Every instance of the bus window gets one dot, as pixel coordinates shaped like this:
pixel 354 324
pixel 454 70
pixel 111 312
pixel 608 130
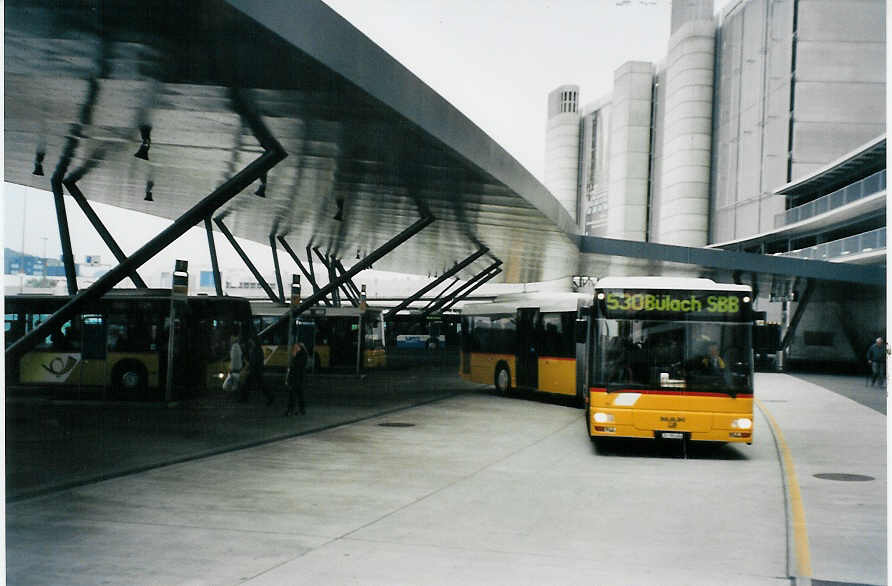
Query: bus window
pixel 695 356
pixel 556 335
pixel 93 337
pixel 13 327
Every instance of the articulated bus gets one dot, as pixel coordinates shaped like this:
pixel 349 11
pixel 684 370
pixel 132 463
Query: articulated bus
pixel 335 334
pixel 528 341
pixel 648 357
pixel 118 346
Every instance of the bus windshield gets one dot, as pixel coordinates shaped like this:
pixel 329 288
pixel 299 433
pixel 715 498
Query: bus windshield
pixel 704 357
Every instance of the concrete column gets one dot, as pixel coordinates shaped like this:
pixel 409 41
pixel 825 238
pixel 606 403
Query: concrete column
pixel 562 146
pixel 630 127
pixel 687 135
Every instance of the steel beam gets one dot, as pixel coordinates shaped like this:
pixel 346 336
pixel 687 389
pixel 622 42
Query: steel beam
pixel 64 236
pixel 440 295
pixel 312 272
pixel 459 292
pixel 418 294
pixel 308 274
pixel 339 266
pixel 212 249
pixel 238 249
pixel 273 153
pixel 365 263
pixel 797 316
pixel 464 295
pixel 333 276
pixel 272 245
pixel 77 194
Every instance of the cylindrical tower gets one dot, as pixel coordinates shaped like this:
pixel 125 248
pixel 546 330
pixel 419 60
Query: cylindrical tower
pixel 562 146
pixel 683 214
pixel 630 138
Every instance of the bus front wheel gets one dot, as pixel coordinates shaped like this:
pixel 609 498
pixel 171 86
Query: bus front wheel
pixel 503 380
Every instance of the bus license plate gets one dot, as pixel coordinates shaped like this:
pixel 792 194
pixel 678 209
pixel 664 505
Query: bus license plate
pixel 671 435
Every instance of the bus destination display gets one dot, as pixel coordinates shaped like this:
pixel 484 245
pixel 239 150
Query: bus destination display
pixel 674 305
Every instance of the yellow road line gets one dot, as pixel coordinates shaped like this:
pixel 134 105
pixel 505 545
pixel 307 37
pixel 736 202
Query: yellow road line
pixel 800 533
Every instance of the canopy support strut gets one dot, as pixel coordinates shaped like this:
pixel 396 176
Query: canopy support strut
pixel 460 293
pixel 418 294
pixel 365 263
pixel 212 249
pixel 308 274
pixel 238 249
pixel 273 153
pixel 77 194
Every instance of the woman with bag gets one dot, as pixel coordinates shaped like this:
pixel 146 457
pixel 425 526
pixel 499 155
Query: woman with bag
pixel 235 365
pixel 297 365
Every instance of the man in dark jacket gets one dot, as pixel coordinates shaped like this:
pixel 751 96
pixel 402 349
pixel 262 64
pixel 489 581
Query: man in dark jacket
pixel 254 377
pixel 297 365
pixel 876 357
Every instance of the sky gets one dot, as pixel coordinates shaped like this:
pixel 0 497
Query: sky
pixel 495 60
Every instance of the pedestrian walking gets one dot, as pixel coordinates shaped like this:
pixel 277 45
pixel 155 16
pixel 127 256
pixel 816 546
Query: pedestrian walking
pixel 297 366
pixel 876 358
pixel 253 378
pixel 236 363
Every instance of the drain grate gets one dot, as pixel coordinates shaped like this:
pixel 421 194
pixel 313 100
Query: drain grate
pixel 844 477
pixel 396 424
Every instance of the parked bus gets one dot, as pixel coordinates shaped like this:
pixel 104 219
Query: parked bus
pixel 648 357
pixel 335 336
pixel 526 341
pixel 118 346
pixel 418 331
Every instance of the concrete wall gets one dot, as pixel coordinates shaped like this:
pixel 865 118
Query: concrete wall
pixel 562 147
pixel 594 168
pixel 629 162
pixel 837 98
pixel 840 93
pixel 683 211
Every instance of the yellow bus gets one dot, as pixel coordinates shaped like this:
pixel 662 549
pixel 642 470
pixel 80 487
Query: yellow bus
pixel 670 358
pixel 335 334
pixel 530 341
pixel 648 357
pixel 119 345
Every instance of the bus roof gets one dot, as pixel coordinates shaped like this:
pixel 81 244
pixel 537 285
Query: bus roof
pixel 667 283
pixel 117 294
pixel 544 301
pixel 272 308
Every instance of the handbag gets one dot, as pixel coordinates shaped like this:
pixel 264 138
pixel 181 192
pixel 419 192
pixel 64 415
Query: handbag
pixel 231 382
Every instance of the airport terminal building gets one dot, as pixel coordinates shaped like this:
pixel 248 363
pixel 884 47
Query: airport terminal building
pixel 762 130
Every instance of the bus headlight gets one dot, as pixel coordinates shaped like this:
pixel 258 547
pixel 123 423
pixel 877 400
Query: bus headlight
pixel 603 417
pixel 742 423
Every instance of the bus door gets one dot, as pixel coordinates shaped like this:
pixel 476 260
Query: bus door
pixel 527 351
pixel 93 352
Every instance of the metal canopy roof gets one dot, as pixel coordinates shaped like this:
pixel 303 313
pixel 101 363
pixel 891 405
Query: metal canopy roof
pixel 82 77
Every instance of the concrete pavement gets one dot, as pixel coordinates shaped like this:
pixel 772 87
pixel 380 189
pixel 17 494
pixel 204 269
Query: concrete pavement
pixel 478 489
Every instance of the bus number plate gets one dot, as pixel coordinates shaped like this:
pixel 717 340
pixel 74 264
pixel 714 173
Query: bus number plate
pixel 671 435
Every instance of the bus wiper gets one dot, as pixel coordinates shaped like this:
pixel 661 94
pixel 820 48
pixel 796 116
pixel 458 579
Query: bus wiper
pixel 616 387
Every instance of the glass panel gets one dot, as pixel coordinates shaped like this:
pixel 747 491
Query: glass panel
pixel 696 357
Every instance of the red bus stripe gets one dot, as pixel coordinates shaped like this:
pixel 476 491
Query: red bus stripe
pixel 680 393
